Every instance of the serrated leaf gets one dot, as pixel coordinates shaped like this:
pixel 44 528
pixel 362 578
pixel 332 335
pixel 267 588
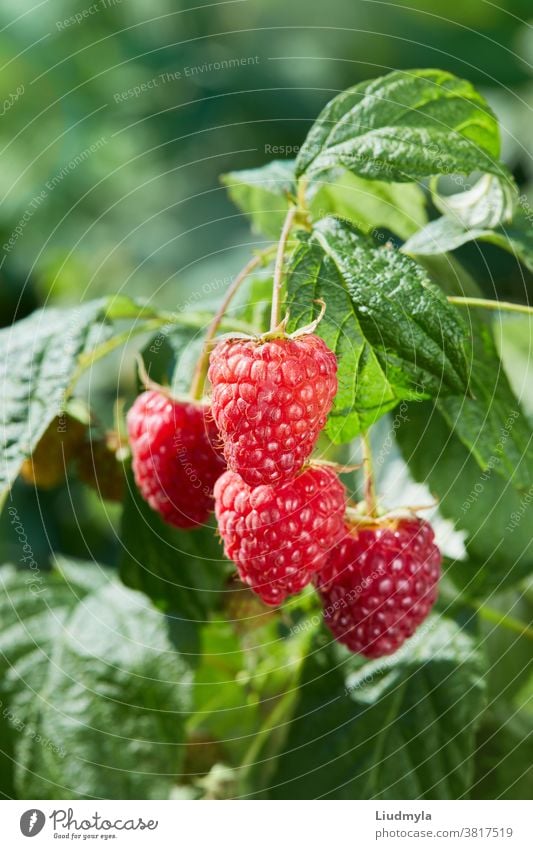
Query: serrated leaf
pixel 447 234
pixel 41 357
pixel 115 687
pixel 398 728
pixel 33 611
pixel 481 502
pixel 403 127
pixel 491 423
pixel 262 193
pixel 394 334
pixel 181 571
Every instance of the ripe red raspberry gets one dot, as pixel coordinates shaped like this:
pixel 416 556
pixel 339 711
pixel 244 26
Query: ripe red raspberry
pixel 280 536
pixel 270 402
pixel 175 457
pixel 379 584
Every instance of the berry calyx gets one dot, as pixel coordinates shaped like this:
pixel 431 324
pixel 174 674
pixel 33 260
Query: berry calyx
pixel 280 536
pixel 176 459
pixel 270 401
pixel 379 584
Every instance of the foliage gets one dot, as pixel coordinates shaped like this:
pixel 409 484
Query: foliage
pixel 151 665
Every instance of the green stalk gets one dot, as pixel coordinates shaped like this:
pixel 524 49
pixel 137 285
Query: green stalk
pixel 200 371
pixel 509 622
pixel 368 470
pixel 278 269
pixel 489 304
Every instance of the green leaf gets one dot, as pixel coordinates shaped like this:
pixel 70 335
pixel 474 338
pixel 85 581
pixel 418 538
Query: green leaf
pixel 113 704
pixel 446 234
pixel 503 759
pixel 403 127
pixel 253 301
pixel 394 334
pixel 182 571
pixel 398 728
pixel 368 204
pixel 262 194
pixel 42 356
pixel 225 698
pixel 490 202
pixel 33 610
pixel 170 356
pixel 492 424
pixel 482 502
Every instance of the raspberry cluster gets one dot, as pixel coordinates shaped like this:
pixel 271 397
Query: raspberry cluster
pixel 280 515
pixel 277 515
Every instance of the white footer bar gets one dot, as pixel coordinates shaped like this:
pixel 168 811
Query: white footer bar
pixel 266 825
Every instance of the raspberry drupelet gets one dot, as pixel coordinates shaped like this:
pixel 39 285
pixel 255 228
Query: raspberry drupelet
pixel 379 584
pixel 270 401
pixel 280 536
pixel 176 458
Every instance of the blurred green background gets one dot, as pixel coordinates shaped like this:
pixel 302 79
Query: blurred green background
pixel 117 119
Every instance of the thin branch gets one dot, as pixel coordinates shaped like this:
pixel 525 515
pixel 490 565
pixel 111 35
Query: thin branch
pixel 200 370
pixel 370 492
pixel 489 304
pixel 278 269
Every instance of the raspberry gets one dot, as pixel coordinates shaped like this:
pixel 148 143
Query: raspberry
pixel 175 458
pixel 379 584
pixel 270 402
pixel 279 536
pixel 47 466
pixel 100 468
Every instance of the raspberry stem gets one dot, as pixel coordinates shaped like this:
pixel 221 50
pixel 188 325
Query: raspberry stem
pixel 369 487
pixel 278 268
pixel 490 304
pixel 200 371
